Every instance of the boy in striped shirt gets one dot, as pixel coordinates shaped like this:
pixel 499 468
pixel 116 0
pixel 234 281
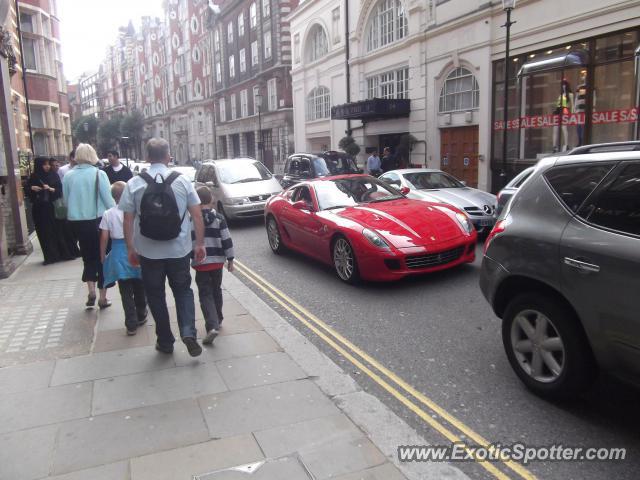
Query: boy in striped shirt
pixel 219 246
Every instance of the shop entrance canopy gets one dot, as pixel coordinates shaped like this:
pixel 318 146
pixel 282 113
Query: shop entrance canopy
pixel 573 58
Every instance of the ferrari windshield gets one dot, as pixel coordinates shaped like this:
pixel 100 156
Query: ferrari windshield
pixel 432 180
pixel 347 192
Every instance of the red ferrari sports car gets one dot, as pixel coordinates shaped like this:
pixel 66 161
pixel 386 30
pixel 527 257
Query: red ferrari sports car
pixel 367 229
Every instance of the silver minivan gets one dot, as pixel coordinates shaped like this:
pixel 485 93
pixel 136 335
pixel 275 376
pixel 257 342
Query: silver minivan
pixel 240 186
pixel 561 270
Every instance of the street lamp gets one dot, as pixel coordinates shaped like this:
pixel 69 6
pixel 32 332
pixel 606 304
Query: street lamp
pixel 258 100
pixel 507 6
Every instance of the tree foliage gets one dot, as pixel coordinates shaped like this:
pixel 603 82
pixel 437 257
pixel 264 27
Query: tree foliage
pixel 109 135
pixel 349 146
pixel 88 134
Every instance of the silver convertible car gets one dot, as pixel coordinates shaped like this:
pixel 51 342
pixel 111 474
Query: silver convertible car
pixel 437 186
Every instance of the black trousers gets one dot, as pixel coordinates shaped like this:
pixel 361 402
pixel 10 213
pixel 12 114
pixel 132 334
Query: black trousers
pixel 210 296
pixel 88 235
pixel 134 302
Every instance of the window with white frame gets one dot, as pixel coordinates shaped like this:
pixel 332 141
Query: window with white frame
pixel 392 84
pixel 232 99
pixel 318 43
pixel 318 104
pixel 253 15
pixel 37 117
pixel 256 100
pixel 30 53
pixel 272 94
pixel 388 24
pixel 26 22
pixel 216 40
pixel 230 32
pixel 266 8
pixel 254 53
pixel 267 44
pixel 222 110
pixel 244 104
pixel 232 66
pixel 460 91
pixel 218 73
pixel 241 24
pixel 242 57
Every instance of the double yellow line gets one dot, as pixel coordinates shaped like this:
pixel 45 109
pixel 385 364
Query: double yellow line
pixel 449 426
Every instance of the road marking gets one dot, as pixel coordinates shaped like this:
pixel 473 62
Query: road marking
pixel 315 324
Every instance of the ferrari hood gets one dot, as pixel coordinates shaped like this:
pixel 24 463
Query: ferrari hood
pixel 406 223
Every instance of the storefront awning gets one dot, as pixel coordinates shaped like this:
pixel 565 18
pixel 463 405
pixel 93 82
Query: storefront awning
pixel 573 58
pixel 374 109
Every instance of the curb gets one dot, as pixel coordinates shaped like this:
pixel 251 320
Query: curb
pixel 383 427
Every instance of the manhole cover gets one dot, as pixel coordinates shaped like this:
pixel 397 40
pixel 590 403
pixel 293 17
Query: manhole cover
pixel 290 467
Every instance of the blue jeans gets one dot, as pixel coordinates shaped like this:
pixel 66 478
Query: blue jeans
pixel 154 274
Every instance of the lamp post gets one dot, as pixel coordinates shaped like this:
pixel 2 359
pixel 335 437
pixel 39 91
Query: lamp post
pixel 507 6
pixel 258 100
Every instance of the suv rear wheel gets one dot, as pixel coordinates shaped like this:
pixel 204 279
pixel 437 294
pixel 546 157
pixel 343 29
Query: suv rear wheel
pixel 546 346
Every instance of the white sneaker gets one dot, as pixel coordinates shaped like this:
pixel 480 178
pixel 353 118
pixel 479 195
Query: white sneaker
pixel 210 337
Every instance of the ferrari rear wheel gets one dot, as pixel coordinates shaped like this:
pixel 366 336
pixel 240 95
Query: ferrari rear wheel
pixel 273 234
pixel 344 261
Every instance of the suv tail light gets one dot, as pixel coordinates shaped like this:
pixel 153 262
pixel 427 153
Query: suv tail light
pixel 498 228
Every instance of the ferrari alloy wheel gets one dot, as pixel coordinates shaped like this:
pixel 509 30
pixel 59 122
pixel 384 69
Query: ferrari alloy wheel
pixel 273 234
pixel 344 261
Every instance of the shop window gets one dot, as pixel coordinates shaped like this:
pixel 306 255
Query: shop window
pixel 460 92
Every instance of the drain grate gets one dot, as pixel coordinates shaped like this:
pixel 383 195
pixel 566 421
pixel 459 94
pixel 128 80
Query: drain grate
pixel 289 467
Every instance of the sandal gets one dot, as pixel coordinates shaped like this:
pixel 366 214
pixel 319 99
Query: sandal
pixel 103 305
pixel 91 300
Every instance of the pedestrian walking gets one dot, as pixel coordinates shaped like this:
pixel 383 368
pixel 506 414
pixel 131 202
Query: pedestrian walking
pixel 70 241
pixel 219 248
pixel 63 170
pixel 116 266
pixel 157 231
pixel 43 190
pixel 373 164
pixel 116 170
pixel 87 195
pixel 389 160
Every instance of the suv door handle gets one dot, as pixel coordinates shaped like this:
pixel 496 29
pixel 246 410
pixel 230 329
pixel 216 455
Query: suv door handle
pixel 582 266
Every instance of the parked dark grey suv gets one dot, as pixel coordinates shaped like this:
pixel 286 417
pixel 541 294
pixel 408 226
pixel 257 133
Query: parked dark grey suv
pixel 562 270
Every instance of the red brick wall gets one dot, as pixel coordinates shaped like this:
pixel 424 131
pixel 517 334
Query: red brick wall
pixel 41 88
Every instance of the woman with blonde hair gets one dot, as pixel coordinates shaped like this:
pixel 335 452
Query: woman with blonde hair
pixel 87 194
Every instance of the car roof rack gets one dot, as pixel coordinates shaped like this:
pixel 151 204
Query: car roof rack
pixel 607 147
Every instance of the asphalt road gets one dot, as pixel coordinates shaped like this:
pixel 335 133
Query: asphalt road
pixel 438 333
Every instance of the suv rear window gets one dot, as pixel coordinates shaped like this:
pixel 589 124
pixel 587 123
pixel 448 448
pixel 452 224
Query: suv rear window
pixel 574 183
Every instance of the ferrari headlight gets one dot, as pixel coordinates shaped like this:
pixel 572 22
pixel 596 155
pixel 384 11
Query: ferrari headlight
pixel 464 223
pixel 236 201
pixel 375 239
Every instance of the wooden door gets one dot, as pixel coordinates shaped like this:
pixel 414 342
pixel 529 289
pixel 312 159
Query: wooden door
pixel 459 153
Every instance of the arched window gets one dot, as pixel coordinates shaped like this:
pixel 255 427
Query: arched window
pixel 459 92
pixel 318 104
pixel 318 43
pixel 388 24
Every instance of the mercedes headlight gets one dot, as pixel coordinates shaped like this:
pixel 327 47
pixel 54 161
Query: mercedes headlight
pixel 236 201
pixel 464 223
pixel 375 239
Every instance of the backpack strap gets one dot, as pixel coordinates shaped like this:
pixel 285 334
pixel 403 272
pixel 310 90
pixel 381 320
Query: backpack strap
pixel 172 176
pixel 147 178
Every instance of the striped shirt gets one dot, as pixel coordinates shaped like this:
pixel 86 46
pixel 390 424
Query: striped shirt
pixel 217 239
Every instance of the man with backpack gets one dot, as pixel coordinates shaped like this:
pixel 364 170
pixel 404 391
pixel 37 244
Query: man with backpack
pixel 157 231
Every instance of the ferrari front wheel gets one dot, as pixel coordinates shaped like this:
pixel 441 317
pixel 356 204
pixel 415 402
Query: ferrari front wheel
pixel 344 261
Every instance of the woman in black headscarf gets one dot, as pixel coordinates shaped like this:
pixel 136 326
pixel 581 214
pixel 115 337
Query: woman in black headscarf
pixel 44 188
pixel 70 241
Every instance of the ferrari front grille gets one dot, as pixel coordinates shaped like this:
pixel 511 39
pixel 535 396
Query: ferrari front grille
pixel 434 259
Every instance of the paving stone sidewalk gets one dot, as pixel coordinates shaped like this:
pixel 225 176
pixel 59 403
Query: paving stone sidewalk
pixel 261 403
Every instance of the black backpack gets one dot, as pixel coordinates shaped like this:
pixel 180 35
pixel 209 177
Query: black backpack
pixel 159 215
